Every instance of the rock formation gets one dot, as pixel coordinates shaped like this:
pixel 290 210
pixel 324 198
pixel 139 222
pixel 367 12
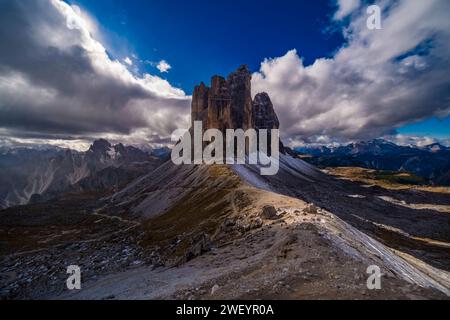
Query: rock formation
pixel 228 104
pixel 263 114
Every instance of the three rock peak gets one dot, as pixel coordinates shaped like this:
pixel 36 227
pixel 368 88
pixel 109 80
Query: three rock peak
pixel 228 104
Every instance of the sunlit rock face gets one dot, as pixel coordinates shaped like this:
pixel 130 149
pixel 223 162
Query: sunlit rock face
pixel 228 104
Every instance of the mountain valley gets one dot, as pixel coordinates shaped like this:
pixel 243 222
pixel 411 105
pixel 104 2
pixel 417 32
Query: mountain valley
pixel 141 227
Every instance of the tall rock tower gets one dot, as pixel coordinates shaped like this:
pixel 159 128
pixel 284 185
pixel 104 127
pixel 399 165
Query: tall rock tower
pixel 228 104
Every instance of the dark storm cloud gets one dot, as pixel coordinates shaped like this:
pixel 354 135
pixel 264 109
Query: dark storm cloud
pixel 55 79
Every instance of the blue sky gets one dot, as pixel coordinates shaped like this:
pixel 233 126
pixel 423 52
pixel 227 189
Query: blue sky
pixel 93 69
pixel 434 127
pixel 202 38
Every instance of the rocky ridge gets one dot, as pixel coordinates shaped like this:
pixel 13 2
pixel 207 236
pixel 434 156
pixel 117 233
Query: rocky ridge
pixel 39 175
pixel 225 232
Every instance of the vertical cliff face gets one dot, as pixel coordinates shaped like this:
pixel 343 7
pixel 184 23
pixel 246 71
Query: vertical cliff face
pixel 228 104
pixel 263 114
pixel 199 109
pixel 239 83
pixel 219 105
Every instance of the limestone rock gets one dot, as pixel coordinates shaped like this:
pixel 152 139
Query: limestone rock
pixel 214 289
pixel 311 209
pixel 269 212
pixel 264 116
pixel 239 83
pixel 199 110
pixel 219 105
pixel 228 104
pixel 199 245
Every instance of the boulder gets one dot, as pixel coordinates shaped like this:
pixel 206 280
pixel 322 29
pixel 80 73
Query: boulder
pixel 269 212
pixel 311 209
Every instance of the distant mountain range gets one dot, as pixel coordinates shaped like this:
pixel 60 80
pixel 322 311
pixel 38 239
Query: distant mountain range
pixel 431 162
pixel 37 174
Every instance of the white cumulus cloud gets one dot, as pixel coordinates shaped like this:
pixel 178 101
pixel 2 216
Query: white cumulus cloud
pixel 163 66
pixel 378 81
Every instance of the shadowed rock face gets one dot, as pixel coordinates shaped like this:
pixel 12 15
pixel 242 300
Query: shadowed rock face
pixel 228 104
pixel 241 100
pixel 263 114
pixel 199 109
